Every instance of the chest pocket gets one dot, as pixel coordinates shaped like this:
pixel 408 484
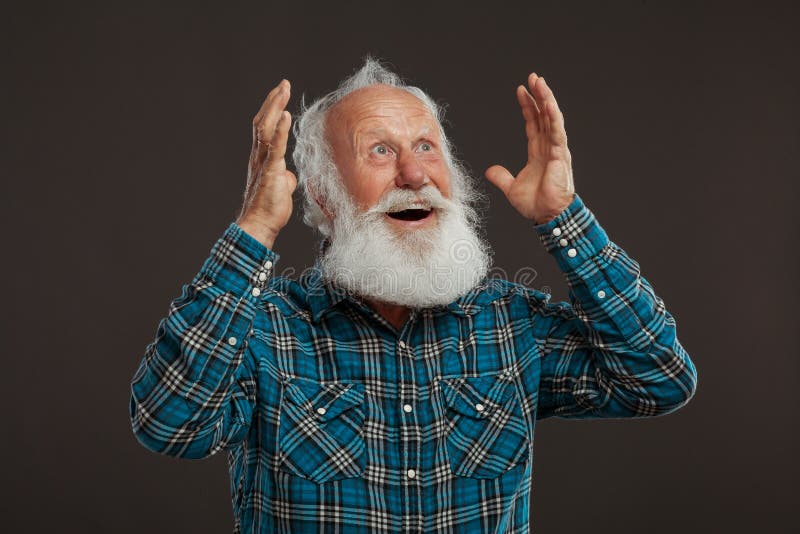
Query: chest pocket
pixel 320 435
pixel 486 431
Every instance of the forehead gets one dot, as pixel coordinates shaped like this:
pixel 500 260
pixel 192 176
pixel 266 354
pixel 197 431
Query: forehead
pixel 379 105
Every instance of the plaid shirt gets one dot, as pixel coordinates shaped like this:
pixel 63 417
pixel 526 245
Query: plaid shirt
pixel 335 421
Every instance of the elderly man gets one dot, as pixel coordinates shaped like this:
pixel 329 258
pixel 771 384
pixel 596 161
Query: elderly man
pixel 396 388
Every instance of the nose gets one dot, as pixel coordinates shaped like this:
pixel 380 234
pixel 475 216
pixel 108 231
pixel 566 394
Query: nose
pixel 410 173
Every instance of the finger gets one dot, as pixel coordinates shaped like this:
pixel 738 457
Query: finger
pixel 279 141
pixel 553 117
pixel 269 98
pixel 500 177
pixel 257 120
pixel 265 129
pixel 529 110
pixel 272 113
pixel 540 90
pixel 532 78
pixel 558 134
pixel 543 94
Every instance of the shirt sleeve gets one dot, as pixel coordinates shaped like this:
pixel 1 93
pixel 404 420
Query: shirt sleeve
pixel 194 391
pixel 613 350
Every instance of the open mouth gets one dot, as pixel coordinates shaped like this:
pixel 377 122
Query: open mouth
pixel 415 214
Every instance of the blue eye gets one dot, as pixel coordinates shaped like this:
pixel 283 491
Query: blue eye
pixel 380 150
pixel 425 147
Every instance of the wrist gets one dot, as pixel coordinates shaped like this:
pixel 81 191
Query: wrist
pixel 551 214
pixel 263 232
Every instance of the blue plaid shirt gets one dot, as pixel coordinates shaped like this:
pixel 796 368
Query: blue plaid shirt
pixel 333 420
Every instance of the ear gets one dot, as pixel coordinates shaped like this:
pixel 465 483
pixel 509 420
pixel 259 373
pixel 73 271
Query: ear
pixel 319 202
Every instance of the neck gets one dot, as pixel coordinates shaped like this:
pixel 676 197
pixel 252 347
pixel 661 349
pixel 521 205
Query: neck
pixel 396 314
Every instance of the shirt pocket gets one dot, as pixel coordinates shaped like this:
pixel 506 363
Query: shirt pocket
pixel 486 430
pixel 321 430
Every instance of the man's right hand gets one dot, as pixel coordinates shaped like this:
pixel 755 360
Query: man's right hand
pixel 268 194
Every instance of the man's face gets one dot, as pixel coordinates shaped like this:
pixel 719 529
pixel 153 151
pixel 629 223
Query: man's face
pixel 384 138
pixel 399 236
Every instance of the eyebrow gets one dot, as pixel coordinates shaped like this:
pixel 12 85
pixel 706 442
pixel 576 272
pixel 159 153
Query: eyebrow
pixel 383 131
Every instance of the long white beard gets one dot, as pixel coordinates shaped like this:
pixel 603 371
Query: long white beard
pixel 416 268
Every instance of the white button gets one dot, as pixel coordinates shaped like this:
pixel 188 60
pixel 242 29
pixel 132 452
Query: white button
pixel 256 292
pixel 262 276
pixel 407 407
pixel 411 473
pixel 479 407
pixel 601 294
pixel 556 231
pixel 231 340
pixel 321 411
pixel 562 242
pixel 267 264
pixel 572 253
pixel 402 344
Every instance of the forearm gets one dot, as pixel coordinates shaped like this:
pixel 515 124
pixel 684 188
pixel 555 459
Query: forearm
pixel 193 391
pixel 618 349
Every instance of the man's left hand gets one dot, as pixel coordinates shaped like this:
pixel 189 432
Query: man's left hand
pixel 544 187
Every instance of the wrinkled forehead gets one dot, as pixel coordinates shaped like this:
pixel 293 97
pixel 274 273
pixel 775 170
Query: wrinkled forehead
pixel 376 104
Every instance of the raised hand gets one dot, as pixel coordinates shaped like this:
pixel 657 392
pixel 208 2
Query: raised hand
pixel 544 187
pixel 267 202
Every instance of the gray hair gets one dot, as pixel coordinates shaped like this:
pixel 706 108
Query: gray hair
pixel 313 155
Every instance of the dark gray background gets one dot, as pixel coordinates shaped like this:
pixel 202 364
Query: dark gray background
pixel 126 132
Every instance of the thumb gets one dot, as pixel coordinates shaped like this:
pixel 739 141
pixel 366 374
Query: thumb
pixel 291 180
pixel 500 177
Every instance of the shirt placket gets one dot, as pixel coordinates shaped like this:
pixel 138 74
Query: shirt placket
pixel 410 433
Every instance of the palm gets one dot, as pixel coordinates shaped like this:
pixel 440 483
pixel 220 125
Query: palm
pixel 544 187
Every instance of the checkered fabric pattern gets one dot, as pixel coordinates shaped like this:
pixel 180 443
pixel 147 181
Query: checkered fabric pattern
pixel 335 421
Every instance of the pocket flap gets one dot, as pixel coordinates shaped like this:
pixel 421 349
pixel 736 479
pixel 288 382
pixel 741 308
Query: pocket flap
pixel 477 396
pixel 324 401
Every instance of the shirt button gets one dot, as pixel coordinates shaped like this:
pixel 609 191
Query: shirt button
pixel 479 407
pixel 256 292
pixel 601 294
pixel 402 344
pixel 556 231
pixel 407 407
pixel 267 264
pixel 262 276
pixel 572 253
pixel 411 473
pixel 321 411
pixel 231 340
pixel 562 242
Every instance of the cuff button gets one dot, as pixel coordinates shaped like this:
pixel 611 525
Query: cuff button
pixel 572 253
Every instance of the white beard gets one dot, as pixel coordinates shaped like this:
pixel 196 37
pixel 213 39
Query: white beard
pixel 416 268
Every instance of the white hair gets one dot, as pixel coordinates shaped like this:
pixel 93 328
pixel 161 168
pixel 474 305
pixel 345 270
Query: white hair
pixel 313 159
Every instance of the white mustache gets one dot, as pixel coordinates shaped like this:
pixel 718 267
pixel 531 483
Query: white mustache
pixel 427 197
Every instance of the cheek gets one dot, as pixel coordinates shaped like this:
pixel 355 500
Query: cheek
pixel 440 174
pixel 368 184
